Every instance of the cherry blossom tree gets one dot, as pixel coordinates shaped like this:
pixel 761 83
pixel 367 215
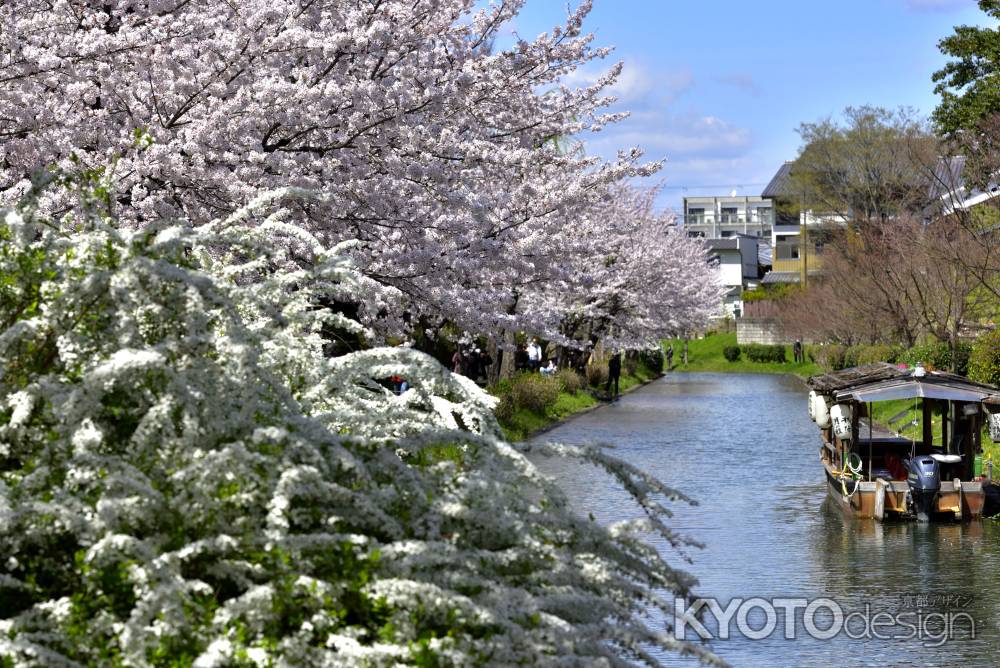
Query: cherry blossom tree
pixel 435 153
pixel 438 153
pixel 642 280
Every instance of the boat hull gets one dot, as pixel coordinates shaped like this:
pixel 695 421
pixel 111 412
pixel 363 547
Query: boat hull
pixel 886 500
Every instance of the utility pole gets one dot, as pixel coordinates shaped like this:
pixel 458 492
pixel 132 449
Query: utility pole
pixel 804 241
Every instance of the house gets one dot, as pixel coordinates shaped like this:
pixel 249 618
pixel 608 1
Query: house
pixel 798 235
pixel 950 192
pixel 737 232
pixel 737 260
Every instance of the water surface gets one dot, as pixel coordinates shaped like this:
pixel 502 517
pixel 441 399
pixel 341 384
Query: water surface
pixel 744 447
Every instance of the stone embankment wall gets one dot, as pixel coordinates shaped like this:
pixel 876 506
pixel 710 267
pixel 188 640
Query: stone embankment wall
pixel 759 330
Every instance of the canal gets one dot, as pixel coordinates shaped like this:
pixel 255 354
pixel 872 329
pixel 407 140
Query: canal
pixel 744 447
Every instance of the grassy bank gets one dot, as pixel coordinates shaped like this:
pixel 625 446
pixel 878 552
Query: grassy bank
pixel 523 414
pixel 905 414
pixel 524 422
pixel 706 355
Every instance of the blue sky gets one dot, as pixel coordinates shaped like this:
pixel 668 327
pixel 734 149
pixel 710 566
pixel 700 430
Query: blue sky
pixel 718 87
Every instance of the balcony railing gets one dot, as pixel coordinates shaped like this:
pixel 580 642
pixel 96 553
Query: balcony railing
pixel 754 221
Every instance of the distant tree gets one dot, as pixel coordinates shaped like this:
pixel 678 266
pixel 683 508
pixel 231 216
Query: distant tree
pixel 857 298
pixel 894 283
pixel 642 282
pixel 967 188
pixel 869 167
pixel 969 85
pixel 946 296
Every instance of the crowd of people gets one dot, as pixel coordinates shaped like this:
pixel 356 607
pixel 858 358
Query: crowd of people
pixel 475 362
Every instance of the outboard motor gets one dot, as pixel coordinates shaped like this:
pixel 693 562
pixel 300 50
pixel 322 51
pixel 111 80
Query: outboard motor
pixel 924 479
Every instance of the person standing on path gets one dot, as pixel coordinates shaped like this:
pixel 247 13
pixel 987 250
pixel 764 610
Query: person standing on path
pixel 521 358
pixel 670 357
pixel 534 355
pixel 797 351
pixel 614 374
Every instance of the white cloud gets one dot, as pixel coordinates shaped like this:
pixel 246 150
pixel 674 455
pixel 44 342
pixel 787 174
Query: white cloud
pixel 698 148
pixel 637 83
pixel 633 83
pixel 674 136
pixel 673 84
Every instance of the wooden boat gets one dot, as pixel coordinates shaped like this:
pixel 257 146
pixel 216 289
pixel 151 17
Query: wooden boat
pixel 874 472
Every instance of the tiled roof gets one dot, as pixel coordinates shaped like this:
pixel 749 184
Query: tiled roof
pixel 780 184
pixel 773 277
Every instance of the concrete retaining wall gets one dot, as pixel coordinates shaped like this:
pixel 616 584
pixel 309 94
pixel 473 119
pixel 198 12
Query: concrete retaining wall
pixel 759 330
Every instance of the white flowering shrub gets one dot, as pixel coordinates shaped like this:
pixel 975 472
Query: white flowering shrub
pixel 185 479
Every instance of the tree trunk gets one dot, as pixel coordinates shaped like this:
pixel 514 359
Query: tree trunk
pixel 499 356
pixel 504 359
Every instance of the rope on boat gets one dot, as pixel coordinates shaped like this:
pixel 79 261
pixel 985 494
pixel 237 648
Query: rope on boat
pixel 854 471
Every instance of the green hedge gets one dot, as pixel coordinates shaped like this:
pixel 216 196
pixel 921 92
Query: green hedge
pixel 757 352
pixel 770 293
pixel 984 361
pixel 597 374
pixel 570 380
pixel 830 356
pixel 937 355
pixel 731 353
pixel 532 391
pixel 871 354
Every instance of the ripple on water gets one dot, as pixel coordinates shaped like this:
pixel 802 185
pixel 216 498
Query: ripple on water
pixel 744 447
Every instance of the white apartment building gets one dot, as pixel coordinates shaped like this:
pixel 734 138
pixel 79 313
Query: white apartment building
pixel 725 217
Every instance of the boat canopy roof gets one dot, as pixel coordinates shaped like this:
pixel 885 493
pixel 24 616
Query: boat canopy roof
pixel 885 382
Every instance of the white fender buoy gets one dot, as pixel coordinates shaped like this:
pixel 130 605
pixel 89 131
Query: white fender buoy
pixel 812 405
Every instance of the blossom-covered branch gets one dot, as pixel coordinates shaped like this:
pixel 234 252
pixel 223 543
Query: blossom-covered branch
pixel 437 152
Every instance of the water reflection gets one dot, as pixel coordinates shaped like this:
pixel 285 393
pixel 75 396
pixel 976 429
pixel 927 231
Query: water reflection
pixel 744 447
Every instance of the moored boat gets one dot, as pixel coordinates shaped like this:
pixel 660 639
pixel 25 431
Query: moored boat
pixel 874 472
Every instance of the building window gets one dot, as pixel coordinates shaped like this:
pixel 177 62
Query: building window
pixel 786 251
pixel 696 216
pixel 730 214
pixel 762 216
